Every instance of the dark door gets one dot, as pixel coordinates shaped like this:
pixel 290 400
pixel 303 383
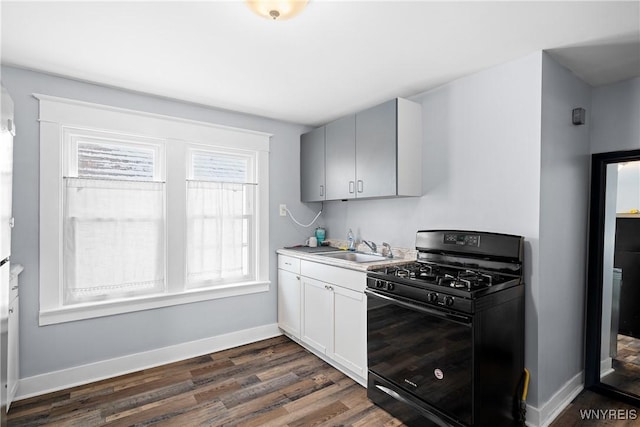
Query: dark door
pixel 627 258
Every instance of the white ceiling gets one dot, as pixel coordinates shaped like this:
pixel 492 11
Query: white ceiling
pixel 335 58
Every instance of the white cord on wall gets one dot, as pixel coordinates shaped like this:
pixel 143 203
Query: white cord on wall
pixel 303 225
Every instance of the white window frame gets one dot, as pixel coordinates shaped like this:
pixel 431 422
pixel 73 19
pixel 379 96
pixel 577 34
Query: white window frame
pixel 250 155
pixel 60 115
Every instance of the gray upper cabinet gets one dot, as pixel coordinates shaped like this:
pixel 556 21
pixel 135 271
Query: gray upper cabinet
pixel 341 158
pixel 312 161
pixel 374 153
pixel 389 150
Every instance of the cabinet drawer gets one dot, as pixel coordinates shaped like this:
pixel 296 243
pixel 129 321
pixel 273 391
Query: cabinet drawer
pixel 350 279
pixel 289 263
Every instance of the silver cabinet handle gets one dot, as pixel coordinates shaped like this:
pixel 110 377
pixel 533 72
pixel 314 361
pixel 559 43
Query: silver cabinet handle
pixel 14 288
pixel 360 186
pixel 351 187
pixel 298 277
pixel 11 311
pixel 322 190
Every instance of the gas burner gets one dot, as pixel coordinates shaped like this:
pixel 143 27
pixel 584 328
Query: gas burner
pixel 454 282
pixel 476 278
pixel 402 273
pixel 426 273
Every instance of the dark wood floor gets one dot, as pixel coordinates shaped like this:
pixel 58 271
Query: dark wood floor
pixel 269 383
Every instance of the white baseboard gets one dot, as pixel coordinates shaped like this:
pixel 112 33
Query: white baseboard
pixel 542 417
pixel 606 367
pixel 79 375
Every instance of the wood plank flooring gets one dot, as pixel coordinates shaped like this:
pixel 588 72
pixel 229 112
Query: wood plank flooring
pixel 269 383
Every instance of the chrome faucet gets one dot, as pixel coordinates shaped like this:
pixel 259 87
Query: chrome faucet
pixel 389 253
pixel 372 246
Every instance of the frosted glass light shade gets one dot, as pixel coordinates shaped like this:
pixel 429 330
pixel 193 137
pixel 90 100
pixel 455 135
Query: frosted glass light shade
pixel 277 9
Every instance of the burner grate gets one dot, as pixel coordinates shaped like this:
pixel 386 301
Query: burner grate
pixel 443 275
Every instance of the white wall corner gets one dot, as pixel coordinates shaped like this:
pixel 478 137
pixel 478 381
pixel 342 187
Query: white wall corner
pixel 542 417
pixel 78 375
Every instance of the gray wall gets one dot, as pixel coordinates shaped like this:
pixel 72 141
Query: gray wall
pixel 616 117
pixel 564 197
pixel 55 347
pixel 481 171
pixel 628 187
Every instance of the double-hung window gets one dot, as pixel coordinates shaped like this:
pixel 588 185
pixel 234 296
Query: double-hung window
pixel 221 219
pixel 113 217
pixel 139 211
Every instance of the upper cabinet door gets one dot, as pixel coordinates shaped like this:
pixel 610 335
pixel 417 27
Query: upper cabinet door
pixel 312 166
pixel 376 151
pixel 341 158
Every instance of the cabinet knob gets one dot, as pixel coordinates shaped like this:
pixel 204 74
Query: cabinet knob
pixel 298 277
pixel 14 288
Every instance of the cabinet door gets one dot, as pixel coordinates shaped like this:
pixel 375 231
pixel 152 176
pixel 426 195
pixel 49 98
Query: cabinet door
pixel 312 160
pixel 376 151
pixel 340 143
pixel 317 314
pixel 350 329
pixel 289 302
pixel 13 367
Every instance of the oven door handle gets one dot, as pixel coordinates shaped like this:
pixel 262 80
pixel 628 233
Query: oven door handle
pixel 457 318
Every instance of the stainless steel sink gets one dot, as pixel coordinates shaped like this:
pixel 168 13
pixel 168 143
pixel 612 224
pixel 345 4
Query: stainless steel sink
pixel 354 256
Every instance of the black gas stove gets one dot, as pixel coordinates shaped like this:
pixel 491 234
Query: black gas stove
pixel 445 333
pixel 454 274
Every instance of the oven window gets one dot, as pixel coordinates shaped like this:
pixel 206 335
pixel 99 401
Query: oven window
pixel 426 354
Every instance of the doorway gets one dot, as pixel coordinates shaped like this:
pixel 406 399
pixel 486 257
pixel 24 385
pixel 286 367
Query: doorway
pixel 612 359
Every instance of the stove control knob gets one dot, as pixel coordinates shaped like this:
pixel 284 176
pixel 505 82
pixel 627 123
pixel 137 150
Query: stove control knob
pixel 448 301
pixel 390 286
pixel 432 297
pixel 379 284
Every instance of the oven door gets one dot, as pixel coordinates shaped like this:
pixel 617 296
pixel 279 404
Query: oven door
pixel 422 350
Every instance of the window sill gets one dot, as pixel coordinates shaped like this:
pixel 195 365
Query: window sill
pixel 109 308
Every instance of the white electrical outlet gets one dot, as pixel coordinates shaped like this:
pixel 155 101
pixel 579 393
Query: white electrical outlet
pixel 283 210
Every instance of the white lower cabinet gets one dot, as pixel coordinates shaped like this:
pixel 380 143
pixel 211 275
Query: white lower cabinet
pixel 289 294
pixel 289 302
pixel 317 317
pixel 350 329
pixel 324 307
pixel 13 345
pixel 334 317
pixel 13 332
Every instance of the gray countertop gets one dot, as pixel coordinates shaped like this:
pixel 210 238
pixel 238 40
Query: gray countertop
pixel 315 256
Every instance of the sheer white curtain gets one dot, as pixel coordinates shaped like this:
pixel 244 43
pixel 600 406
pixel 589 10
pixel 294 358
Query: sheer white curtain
pixel 219 227
pixel 114 242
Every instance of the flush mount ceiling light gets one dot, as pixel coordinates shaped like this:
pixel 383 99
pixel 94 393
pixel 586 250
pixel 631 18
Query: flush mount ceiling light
pixel 277 9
